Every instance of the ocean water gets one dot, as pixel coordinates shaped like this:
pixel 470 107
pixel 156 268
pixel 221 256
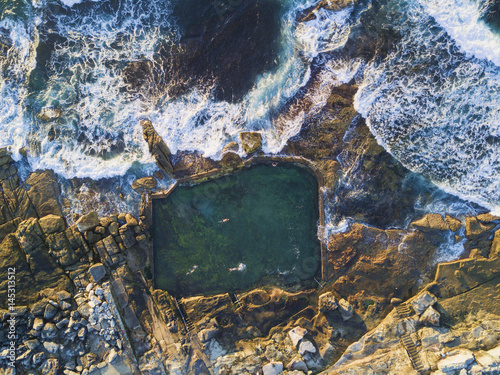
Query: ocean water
pixel 428 73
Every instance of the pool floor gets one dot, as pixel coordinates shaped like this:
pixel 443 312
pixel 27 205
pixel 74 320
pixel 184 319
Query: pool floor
pixel 228 234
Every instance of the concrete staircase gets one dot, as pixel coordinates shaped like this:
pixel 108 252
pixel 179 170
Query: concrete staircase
pixel 404 311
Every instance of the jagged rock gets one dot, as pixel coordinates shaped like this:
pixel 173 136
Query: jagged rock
pixel 49 331
pixel 38 308
pixel 430 317
pixel 105 222
pixel 89 359
pixel 305 347
pixel 144 184
pixel 97 271
pixel 430 223
pixel 52 224
pixel 456 361
pixel 425 300
pixel 63 295
pixel 345 309
pixel 111 246
pixel 251 141
pixel 208 334
pixel 334 5
pixel 87 222
pixel 296 335
pixel 453 223
pixel 50 366
pixel 51 347
pixel 38 324
pixel 49 113
pixel 327 302
pixel 272 368
pixel 157 147
pixel 495 246
pixel 50 311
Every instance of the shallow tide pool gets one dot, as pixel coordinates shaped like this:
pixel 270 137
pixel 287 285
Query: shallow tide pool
pixel 229 233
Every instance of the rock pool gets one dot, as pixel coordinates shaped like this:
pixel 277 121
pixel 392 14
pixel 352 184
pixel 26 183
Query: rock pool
pixel 229 233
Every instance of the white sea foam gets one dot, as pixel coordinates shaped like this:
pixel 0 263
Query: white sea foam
pixel 14 70
pixel 436 110
pixel 462 21
pixel 99 134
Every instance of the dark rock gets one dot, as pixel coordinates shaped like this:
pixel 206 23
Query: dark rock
pixel 50 311
pixel 127 236
pixel 157 147
pixel 38 308
pixel 49 331
pixel 334 5
pixel 97 271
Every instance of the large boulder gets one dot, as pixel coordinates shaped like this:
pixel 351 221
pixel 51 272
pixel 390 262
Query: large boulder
pixel 423 301
pixel 430 317
pixel 456 361
pixel 157 147
pixel 89 221
pixel 52 224
pixel 97 271
pixel 296 335
pixel 345 309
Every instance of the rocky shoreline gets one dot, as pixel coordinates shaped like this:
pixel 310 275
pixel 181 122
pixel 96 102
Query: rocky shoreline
pixel 86 304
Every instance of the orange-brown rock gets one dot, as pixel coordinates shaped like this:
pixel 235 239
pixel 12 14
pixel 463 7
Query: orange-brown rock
pixel 384 263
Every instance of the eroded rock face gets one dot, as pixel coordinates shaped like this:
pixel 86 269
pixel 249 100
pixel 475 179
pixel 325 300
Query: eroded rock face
pixel 381 263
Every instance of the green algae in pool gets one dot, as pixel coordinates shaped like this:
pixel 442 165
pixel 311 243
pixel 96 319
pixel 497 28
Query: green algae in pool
pixel 228 234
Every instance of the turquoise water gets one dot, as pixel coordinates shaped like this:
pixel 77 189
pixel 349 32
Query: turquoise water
pixel 262 220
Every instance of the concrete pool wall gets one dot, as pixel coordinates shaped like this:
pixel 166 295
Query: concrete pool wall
pixel 216 173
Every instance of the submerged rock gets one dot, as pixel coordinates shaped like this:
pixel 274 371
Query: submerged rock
pixel 144 184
